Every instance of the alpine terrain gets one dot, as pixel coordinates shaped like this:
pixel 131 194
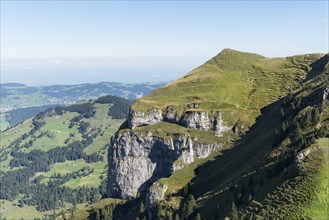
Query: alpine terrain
pixel 242 136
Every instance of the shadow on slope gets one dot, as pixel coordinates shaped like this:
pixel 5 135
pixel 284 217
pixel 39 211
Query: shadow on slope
pixel 318 67
pixel 250 154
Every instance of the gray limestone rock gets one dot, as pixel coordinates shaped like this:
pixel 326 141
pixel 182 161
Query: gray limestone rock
pixel 138 118
pixel 138 160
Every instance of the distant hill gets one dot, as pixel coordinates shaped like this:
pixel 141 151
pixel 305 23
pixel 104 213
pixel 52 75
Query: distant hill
pixel 12 85
pixel 17 96
pixel 16 116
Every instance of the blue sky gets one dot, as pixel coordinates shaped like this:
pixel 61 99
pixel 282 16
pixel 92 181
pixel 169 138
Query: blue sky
pixel 46 42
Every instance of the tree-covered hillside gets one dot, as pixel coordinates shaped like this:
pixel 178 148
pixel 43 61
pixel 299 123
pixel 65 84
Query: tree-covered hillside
pixel 58 159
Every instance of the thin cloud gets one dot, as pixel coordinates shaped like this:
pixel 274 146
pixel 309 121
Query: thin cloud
pixel 300 21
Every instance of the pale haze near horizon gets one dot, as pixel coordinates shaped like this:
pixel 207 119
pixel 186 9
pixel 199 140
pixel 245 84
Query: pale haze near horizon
pixel 74 42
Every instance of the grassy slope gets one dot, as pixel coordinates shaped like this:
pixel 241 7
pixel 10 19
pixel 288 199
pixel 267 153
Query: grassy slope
pixel 304 196
pixel 166 130
pixel 83 212
pixel 58 128
pixel 14 133
pixel 213 87
pixel 235 83
pixel 9 136
pixel 11 211
pixel 318 208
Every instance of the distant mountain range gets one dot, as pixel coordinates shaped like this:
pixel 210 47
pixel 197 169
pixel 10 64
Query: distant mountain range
pixel 17 96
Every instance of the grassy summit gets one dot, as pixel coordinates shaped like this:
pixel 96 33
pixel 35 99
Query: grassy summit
pixel 235 83
pixel 283 105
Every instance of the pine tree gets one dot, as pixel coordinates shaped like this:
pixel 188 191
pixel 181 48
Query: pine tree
pixel 73 216
pixel 198 217
pixel 185 190
pixel 159 211
pixel 98 216
pixel 283 127
pixel 189 206
pixel 110 211
pixel 315 116
pixel 249 197
pixel 298 132
pixel 141 208
pixel 282 114
pixel 169 215
pixel 234 212
pixel 21 203
pixel 298 102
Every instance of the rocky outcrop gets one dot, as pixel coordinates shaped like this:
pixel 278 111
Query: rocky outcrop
pixel 302 155
pixel 197 120
pixel 139 118
pixel 200 120
pixel 325 94
pixel 137 160
pixel 155 193
pixel 171 115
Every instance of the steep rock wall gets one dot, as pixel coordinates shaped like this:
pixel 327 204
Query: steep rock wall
pixel 137 160
pixel 200 120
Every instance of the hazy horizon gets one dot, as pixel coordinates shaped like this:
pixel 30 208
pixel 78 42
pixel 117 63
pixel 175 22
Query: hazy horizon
pixel 73 42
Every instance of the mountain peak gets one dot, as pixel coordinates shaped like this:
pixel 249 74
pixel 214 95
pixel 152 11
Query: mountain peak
pixel 236 54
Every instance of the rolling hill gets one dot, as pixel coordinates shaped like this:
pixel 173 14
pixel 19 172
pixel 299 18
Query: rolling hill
pixel 58 159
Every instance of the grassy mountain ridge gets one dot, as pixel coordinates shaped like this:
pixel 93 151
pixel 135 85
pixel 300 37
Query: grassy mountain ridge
pixel 281 105
pixel 259 175
pixel 235 83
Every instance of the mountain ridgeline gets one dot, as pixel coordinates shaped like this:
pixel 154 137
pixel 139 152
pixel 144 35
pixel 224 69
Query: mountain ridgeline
pixel 241 136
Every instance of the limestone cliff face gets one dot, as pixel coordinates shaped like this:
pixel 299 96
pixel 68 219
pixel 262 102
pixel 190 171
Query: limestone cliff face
pixel 137 160
pixel 200 120
pixel 139 118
